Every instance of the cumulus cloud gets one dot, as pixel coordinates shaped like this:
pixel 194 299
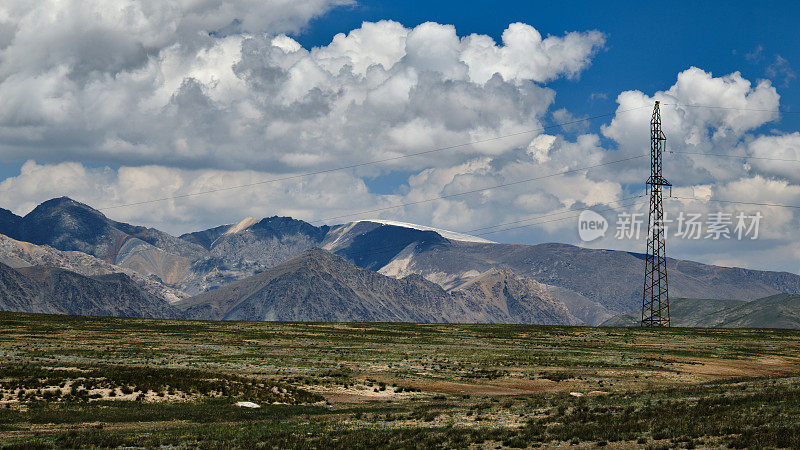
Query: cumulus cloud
pixel 737 107
pixel 121 101
pixel 105 188
pixel 528 158
pixel 212 85
pixel 525 55
pixel 781 151
pixel 169 98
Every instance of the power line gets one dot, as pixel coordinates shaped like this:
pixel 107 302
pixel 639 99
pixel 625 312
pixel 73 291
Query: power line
pixel 780 205
pixel 543 216
pixel 731 108
pixel 723 155
pixel 737 202
pixel 297 176
pixel 537 220
pixel 368 163
pixel 398 247
pixel 565 172
pixel 563 218
pixel 472 191
pixel 401 246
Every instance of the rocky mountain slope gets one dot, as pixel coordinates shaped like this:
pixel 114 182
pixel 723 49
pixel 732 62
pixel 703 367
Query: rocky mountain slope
pixel 65 224
pixel 8 222
pixel 320 286
pixel 594 284
pixel 499 296
pixel 248 247
pixel 775 311
pixel 18 254
pixel 56 291
pixel 611 279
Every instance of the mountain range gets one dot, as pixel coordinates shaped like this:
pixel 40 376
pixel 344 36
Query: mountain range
pixel 255 270
pixel 18 254
pixel 67 225
pixel 320 286
pixel 51 290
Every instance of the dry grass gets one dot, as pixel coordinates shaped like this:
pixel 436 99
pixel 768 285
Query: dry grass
pixel 393 385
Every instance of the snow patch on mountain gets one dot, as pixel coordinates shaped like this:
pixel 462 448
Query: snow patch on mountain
pixel 337 235
pixel 240 226
pixel 452 235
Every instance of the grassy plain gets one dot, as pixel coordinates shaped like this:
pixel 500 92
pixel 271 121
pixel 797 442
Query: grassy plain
pixel 74 381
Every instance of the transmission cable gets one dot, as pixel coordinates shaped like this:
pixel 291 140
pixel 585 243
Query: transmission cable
pixel 736 202
pixel 546 215
pixel 472 191
pixel 723 155
pixel 394 248
pixel 368 163
pixel 565 218
pixel 731 108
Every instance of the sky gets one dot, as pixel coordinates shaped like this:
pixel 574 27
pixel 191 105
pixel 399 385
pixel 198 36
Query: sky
pixel 120 102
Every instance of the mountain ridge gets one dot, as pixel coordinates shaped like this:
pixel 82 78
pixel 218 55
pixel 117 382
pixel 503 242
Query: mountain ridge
pixel 594 284
pixel 19 254
pixel 320 286
pixel 68 225
pixel 50 290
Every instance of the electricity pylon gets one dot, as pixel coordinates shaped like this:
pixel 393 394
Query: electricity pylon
pixel 655 301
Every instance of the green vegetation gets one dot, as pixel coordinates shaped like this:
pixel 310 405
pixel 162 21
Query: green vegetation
pixel 105 382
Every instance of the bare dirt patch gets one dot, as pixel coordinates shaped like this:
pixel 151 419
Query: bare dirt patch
pixel 738 368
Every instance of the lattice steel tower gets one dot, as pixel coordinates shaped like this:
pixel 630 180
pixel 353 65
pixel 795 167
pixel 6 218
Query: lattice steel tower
pixel 655 301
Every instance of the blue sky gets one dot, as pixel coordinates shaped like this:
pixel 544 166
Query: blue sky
pixel 647 44
pixel 112 102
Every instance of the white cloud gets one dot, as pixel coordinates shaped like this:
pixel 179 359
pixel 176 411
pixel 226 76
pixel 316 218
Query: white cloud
pixel 780 147
pixel 185 96
pixel 524 55
pixel 203 84
pixel 194 99
pixel 381 43
pixel 739 108
pixel 438 120
pixel 309 198
pixel 697 127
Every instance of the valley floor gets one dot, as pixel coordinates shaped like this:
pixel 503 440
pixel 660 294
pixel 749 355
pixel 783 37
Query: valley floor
pixel 68 381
